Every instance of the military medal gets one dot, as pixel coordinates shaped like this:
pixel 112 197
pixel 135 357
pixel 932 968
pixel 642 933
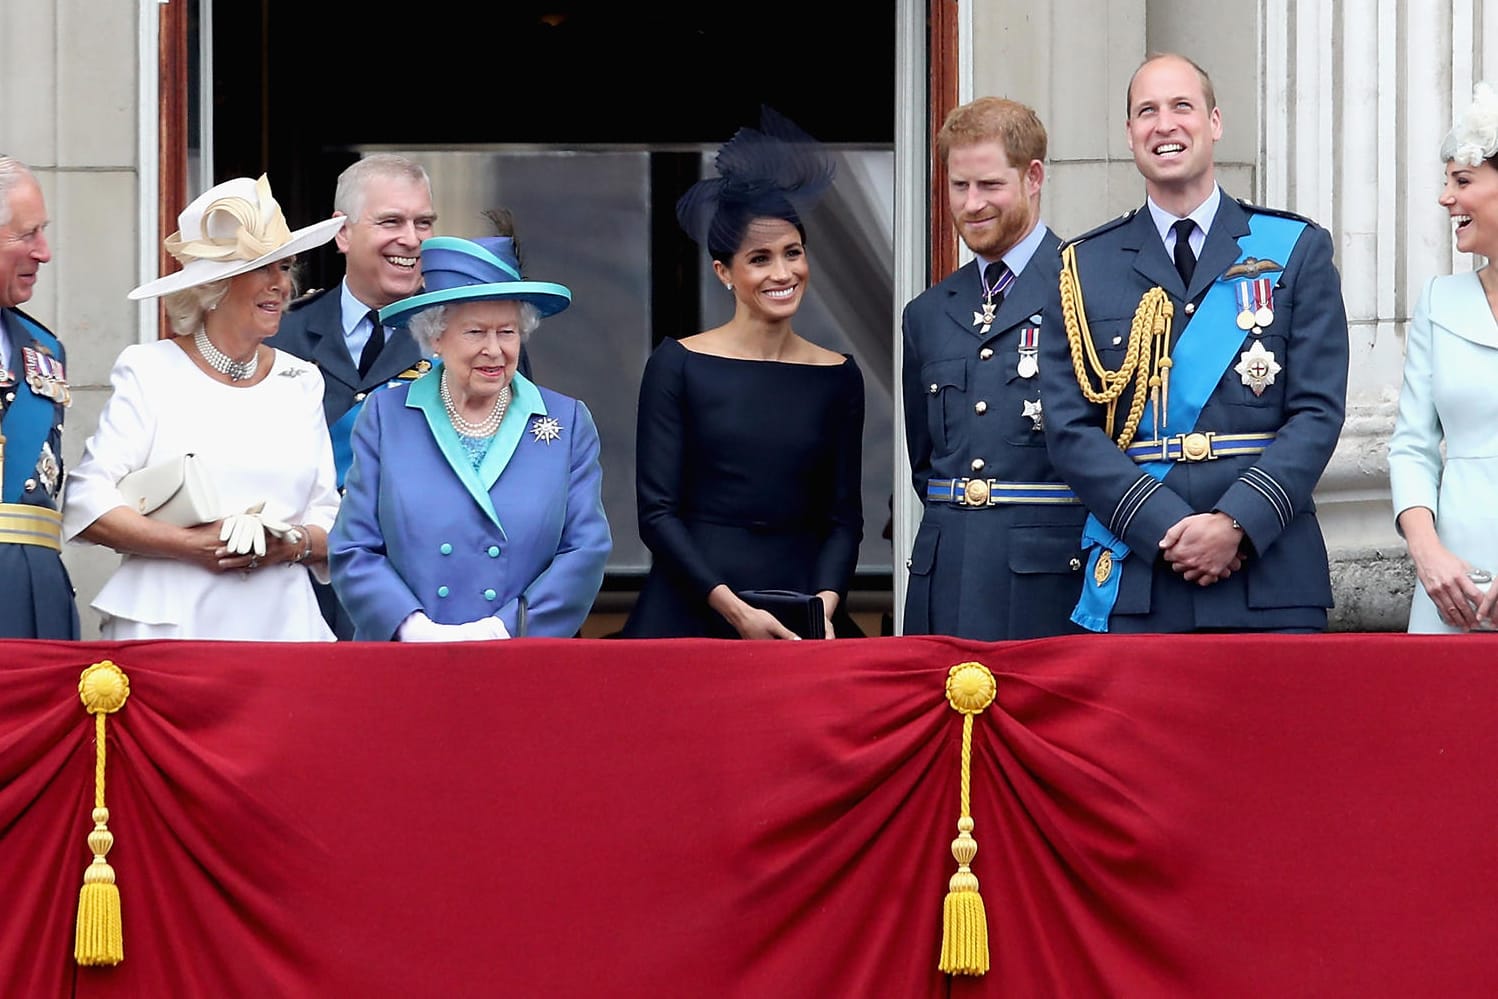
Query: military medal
pixel 1257 367
pixel 1245 305
pixel 984 319
pixel 992 296
pixel 45 375
pixel 545 429
pixel 1029 350
pixel 1104 567
pixel 1264 298
pixel 1034 412
pixel 47 469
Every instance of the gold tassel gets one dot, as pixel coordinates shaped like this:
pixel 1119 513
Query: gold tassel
pixel 103 688
pixel 964 924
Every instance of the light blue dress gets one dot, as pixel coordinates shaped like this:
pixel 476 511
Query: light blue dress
pixel 1450 370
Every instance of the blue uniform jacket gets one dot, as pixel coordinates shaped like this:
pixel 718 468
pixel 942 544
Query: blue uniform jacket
pixel 38 599
pixel 312 329
pixel 420 529
pixel 1285 581
pixel 993 572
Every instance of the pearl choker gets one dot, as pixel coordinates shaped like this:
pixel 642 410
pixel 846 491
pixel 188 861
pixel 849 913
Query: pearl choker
pixel 490 424
pixel 237 371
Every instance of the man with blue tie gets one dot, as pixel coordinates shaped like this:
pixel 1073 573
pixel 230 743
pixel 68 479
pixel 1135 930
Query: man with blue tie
pixel 997 554
pixel 1199 388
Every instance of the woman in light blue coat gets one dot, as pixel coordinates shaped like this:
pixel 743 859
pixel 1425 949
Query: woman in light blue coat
pixel 1443 455
pixel 473 507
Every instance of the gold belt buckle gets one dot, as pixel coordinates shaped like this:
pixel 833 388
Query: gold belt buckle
pixel 1197 447
pixel 975 492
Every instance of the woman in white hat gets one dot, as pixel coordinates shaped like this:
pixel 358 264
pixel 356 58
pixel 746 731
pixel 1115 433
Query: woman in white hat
pixel 473 507
pixel 1443 456
pixel 228 557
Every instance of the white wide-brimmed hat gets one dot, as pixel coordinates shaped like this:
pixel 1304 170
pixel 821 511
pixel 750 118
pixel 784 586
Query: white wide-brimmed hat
pixel 232 228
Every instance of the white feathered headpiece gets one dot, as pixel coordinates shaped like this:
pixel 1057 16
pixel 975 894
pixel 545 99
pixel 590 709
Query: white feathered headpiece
pixel 1475 137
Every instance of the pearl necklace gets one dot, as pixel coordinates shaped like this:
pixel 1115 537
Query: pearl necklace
pixel 488 427
pixel 237 371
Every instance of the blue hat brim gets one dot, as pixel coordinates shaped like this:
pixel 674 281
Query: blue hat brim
pixel 548 298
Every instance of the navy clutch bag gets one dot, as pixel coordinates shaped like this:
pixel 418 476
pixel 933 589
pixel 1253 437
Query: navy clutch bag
pixel 800 612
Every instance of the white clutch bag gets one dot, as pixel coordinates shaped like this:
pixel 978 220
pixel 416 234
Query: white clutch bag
pixel 176 491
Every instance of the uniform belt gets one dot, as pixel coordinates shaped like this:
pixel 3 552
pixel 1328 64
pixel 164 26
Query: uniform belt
pixel 25 524
pixel 1199 446
pixel 991 492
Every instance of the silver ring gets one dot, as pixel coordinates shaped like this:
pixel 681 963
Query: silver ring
pixel 254 563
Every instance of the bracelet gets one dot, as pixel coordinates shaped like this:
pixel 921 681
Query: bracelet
pixel 306 544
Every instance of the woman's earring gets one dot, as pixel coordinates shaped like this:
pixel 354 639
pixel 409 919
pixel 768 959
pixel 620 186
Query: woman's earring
pixel 728 286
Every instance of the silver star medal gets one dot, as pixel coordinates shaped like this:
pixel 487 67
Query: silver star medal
pixel 1033 411
pixel 546 429
pixel 47 469
pixel 1257 367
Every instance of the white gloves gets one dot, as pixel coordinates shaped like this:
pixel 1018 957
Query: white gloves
pixel 244 533
pixel 420 628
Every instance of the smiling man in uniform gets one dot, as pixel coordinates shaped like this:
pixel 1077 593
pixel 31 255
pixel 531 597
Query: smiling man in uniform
pixel 1199 389
pixel 997 555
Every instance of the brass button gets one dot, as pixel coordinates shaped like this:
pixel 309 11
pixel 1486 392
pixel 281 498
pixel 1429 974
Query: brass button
pixel 980 407
pixel 1190 308
pixel 977 464
pixel 1075 563
pixel 985 353
pixel 28 485
pixel 932 389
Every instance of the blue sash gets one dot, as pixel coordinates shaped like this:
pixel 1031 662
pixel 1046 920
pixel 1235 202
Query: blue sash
pixel 28 420
pixel 1200 356
pixel 342 431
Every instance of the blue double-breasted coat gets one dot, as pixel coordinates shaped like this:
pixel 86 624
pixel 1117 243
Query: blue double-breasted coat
pixel 421 529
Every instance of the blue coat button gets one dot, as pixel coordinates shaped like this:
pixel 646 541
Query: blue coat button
pixel 445 548
pixel 490 594
pixel 442 591
pixel 494 551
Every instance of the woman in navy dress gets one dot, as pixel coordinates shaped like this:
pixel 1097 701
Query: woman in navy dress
pixel 749 465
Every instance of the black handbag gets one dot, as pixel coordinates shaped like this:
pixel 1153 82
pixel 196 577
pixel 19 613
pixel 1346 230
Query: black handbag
pixel 802 613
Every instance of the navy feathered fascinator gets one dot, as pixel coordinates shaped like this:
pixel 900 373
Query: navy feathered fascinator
pixel 775 171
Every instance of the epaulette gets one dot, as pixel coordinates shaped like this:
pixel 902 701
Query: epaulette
pixel 1105 227
pixel 1248 206
pixel 307 298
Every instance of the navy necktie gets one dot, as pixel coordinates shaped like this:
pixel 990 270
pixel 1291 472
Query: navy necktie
pixel 996 281
pixel 374 346
pixel 1185 259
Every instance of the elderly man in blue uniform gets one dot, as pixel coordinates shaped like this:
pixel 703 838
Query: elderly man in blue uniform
pixel 1199 390
pixel 997 555
pixel 38 595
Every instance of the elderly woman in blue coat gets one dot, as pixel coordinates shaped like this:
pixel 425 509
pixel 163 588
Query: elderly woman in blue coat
pixel 473 506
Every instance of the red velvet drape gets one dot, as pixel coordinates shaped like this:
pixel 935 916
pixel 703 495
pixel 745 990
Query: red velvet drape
pixel 1171 816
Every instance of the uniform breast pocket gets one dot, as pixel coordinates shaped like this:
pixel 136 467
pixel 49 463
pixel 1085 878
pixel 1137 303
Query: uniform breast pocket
pixel 946 388
pixel 1019 411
